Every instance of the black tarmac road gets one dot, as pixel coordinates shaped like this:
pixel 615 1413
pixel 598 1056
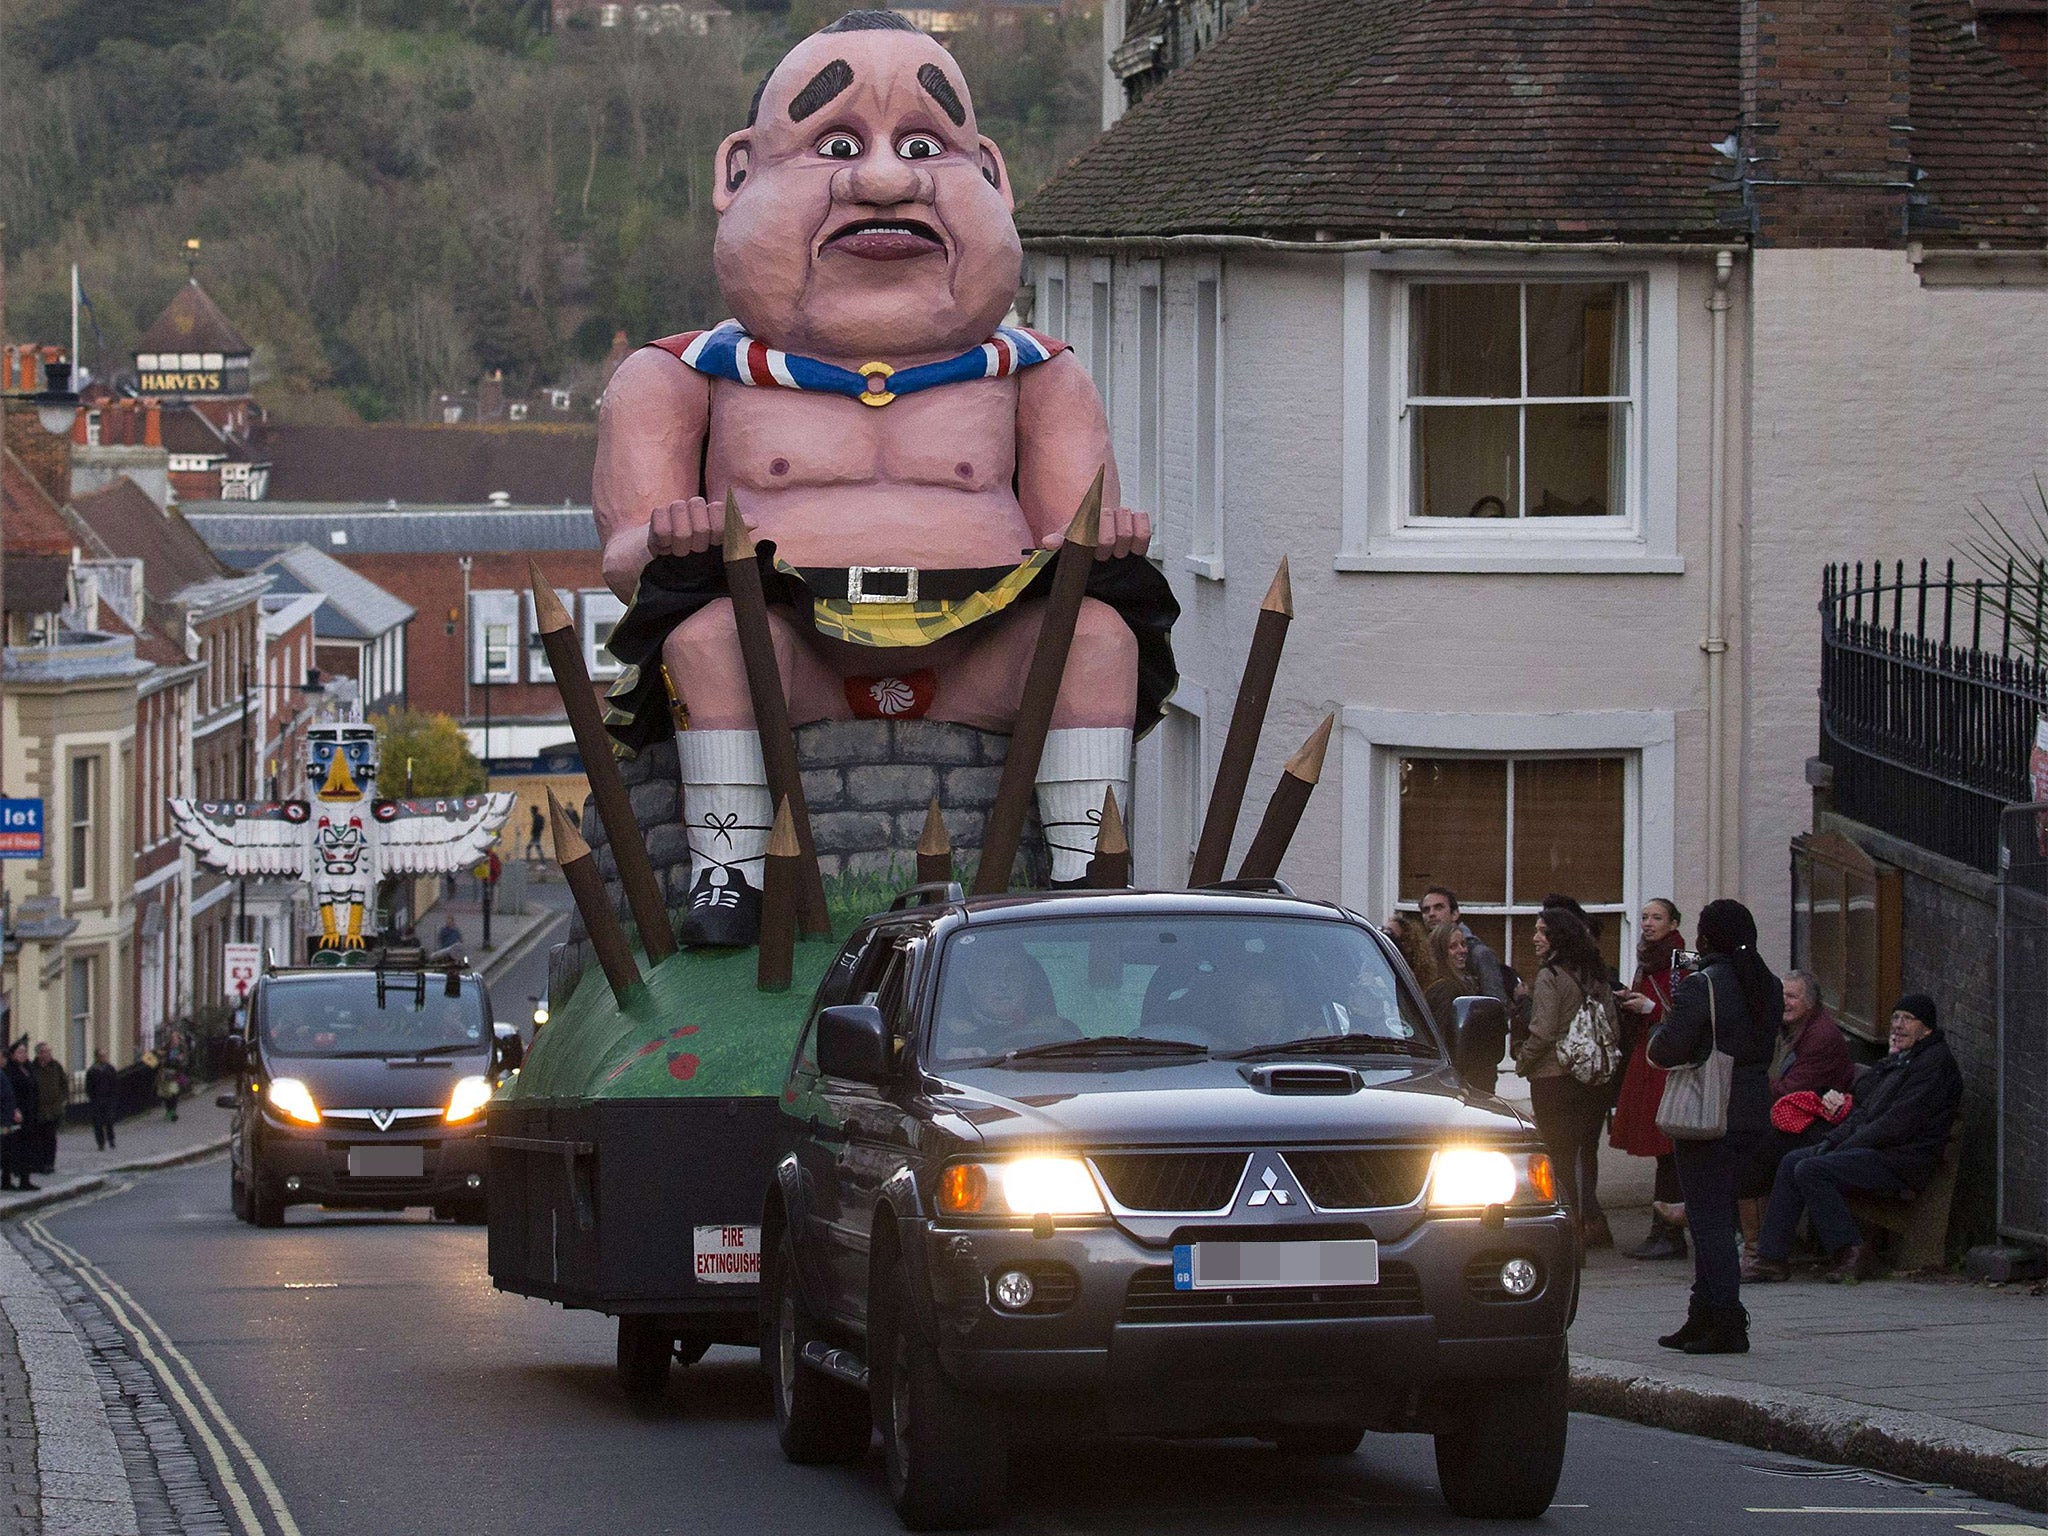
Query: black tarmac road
pixel 379 1384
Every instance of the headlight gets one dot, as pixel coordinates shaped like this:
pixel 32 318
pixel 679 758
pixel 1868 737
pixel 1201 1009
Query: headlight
pixel 1471 1178
pixel 469 1097
pixel 293 1099
pixel 1029 1186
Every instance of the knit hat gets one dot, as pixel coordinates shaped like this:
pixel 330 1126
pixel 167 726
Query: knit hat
pixel 1920 1005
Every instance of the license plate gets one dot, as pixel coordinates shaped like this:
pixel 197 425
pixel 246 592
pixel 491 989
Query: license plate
pixel 387 1162
pixel 1246 1266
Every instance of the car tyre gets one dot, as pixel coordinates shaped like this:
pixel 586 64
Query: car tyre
pixel 238 1195
pixel 818 1421
pixel 646 1346
pixel 1502 1459
pixel 1318 1439
pixel 944 1449
pixel 266 1205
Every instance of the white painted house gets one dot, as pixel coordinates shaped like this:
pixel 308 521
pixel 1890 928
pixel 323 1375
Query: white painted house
pixel 1558 348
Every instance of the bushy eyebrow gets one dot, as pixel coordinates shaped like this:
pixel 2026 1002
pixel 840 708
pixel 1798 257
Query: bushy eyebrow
pixel 824 85
pixel 940 89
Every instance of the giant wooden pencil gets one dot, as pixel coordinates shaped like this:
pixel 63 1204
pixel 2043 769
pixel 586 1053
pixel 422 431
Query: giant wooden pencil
pixel 601 767
pixel 607 934
pixel 1110 869
pixel 1283 811
pixel 1241 743
pixel 934 848
pixel 771 708
pixel 1005 828
pixel 781 877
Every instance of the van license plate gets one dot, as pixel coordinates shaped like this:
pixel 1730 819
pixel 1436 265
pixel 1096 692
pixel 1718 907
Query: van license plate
pixel 387 1162
pixel 1246 1266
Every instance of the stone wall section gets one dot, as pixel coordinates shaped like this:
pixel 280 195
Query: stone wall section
pixel 868 784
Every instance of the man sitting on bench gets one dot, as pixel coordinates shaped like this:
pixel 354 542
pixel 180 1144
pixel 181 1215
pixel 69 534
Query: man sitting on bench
pixel 1889 1144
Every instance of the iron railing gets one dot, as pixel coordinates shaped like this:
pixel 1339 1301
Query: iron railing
pixel 1929 694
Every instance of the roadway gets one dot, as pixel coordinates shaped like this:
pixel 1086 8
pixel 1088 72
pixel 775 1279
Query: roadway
pixel 379 1383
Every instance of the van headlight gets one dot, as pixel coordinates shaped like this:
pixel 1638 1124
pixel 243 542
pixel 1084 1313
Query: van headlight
pixel 1025 1186
pixel 467 1101
pixel 292 1099
pixel 1472 1178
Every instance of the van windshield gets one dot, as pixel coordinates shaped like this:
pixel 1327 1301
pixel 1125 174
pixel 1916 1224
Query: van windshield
pixel 338 1016
pixel 1211 985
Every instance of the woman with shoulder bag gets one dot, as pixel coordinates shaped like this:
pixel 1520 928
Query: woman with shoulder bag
pixel 1718 1030
pixel 1634 1129
pixel 1569 1105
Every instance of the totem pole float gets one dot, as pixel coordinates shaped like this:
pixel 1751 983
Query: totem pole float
pixel 339 838
pixel 864 497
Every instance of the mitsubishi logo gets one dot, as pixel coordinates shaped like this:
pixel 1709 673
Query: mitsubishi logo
pixel 382 1118
pixel 1272 1191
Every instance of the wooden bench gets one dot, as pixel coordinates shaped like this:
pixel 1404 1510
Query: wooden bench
pixel 1918 1220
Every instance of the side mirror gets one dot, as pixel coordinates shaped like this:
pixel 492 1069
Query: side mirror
pixel 1480 1029
pixel 511 1051
pixel 225 1101
pixel 853 1043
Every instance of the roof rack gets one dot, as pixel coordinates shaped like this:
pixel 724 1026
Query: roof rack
pixel 1265 885
pixel 931 892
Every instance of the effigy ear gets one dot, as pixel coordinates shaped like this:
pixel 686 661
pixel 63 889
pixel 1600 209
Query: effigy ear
pixel 735 159
pixel 995 172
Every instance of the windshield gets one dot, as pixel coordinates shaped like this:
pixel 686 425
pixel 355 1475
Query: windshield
pixel 1168 988
pixel 339 1016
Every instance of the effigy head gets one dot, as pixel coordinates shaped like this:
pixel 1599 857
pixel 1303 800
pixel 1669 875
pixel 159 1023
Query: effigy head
pixel 861 214
pixel 341 760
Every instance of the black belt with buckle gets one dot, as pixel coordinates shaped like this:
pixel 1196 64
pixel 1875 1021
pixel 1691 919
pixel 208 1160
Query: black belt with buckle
pixel 898 583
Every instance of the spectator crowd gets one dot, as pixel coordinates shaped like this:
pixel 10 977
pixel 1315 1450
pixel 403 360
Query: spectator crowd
pixel 1740 1086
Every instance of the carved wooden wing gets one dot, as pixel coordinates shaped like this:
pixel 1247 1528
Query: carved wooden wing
pixel 255 837
pixel 437 837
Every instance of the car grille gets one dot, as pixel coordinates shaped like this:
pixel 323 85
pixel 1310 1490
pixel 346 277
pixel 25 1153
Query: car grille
pixel 1152 1299
pixel 1363 1180
pixel 1172 1181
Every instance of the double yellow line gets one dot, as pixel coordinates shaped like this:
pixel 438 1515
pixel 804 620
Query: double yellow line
pixel 222 1442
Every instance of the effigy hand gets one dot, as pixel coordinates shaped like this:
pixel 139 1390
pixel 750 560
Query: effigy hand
pixel 1123 531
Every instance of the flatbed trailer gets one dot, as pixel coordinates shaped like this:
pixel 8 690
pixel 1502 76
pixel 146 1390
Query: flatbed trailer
pixel 630 1158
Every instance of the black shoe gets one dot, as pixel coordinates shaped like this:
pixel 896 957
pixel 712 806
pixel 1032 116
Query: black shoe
pixel 24 1184
pixel 1727 1333
pixel 1664 1242
pixel 1698 1319
pixel 724 911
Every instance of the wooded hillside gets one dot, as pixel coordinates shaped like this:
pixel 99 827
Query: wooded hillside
pixel 395 194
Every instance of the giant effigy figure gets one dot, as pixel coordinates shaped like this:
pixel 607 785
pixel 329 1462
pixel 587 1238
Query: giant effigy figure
pixel 906 462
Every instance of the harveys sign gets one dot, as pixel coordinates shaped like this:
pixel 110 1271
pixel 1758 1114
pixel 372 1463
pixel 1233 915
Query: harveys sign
pixel 203 381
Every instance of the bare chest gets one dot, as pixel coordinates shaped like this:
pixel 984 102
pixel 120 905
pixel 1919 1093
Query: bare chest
pixel 958 436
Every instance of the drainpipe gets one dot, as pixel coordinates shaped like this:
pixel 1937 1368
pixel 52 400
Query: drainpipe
pixel 1715 644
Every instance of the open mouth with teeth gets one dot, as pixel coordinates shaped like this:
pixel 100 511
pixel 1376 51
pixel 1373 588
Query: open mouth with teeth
pixel 887 240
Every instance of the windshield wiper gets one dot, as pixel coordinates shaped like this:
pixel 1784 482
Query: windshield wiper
pixel 1105 1045
pixel 1320 1045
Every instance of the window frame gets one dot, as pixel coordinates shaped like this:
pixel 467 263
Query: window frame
pixel 488 609
pixel 1207 349
pixel 599 606
pixel 1376 739
pixel 1148 406
pixel 1378 531
pixel 83 863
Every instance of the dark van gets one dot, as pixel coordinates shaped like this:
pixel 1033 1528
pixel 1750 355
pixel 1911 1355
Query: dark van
pixel 364 1089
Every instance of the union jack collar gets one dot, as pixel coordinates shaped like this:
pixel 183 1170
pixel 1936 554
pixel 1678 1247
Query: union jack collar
pixel 726 351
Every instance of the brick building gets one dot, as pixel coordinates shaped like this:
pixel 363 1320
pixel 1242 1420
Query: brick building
pixel 194 361
pixel 360 631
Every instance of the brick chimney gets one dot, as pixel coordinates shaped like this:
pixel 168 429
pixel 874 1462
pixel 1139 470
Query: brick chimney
pixel 1826 96
pixel 490 396
pixel 45 455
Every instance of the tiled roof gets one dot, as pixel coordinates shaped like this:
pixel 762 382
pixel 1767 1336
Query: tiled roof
pixel 192 322
pixel 232 526
pixel 134 527
pixel 430 465
pixel 1449 118
pixel 1980 132
pixel 1516 119
pixel 32 524
pixel 356 607
pixel 186 429
pixel 36 583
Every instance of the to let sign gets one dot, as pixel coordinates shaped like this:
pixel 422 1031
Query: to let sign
pixel 241 964
pixel 21 829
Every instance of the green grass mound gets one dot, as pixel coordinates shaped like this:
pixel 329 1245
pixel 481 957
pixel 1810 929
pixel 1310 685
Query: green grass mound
pixel 697 1027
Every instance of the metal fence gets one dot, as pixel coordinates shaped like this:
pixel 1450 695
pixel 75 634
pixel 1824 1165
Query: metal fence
pixel 1930 690
pixel 2023 1024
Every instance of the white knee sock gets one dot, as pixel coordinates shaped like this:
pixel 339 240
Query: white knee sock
pixel 726 811
pixel 1077 766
